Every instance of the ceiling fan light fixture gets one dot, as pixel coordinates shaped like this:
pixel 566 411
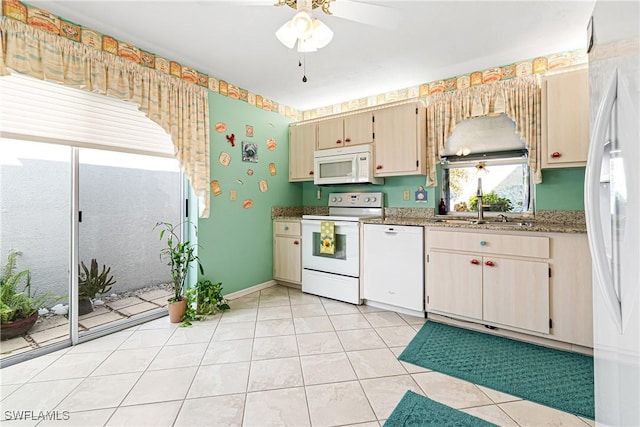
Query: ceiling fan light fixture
pixel 287 35
pixel 322 34
pixel 302 23
pixel 310 34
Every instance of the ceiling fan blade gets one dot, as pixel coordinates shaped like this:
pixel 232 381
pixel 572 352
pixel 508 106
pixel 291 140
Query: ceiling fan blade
pixel 366 13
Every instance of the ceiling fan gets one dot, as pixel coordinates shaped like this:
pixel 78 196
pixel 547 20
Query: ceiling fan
pixel 311 34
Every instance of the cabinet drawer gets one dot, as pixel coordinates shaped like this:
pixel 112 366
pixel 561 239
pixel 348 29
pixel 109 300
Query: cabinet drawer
pixel 287 228
pixel 487 243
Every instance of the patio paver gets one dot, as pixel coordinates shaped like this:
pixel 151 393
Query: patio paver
pixel 13 344
pixel 132 310
pixel 155 294
pixel 92 322
pixel 125 302
pixel 61 331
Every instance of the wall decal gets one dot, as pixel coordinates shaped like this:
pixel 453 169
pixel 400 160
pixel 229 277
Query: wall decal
pixel 271 144
pixel 239 181
pixel 421 194
pixel 272 169
pixel 221 127
pixel 215 188
pixel 263 186
pixel 250 172
pixel 247 204
pixel 232 139
pixel 248 130
pixel 224 159
pixel 249 152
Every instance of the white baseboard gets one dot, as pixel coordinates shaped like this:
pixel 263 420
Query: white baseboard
pixel 252 289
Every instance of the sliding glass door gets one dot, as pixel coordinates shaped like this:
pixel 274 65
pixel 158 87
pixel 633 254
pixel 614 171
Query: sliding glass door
pixel 80 222
pixel 35 243
pixel 121 198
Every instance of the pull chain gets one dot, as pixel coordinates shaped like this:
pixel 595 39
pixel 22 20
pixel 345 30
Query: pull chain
pixel 303 64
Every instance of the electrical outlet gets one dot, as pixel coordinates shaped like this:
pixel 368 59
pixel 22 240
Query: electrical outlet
pixel 406 195
pixel 233 195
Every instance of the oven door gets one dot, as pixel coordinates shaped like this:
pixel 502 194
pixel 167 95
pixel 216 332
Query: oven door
pixel 345 260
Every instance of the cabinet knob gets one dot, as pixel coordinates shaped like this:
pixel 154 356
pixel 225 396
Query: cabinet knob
pixel 339 141
pixel 311 173
pixel 347 140
pixel 489 264
pixel 295 242
pixel 475 262
pixel 286 228
pixel 379 167
pixel 483 243
pixel 556 155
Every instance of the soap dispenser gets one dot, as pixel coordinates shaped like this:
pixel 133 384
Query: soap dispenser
pixel 442 208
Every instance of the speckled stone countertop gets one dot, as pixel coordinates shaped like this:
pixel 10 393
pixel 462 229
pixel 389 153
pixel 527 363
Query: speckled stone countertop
pixel 544 221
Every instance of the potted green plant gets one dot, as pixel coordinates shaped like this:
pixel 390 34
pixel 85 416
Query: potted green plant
pixel 18 307
pixel 205 298
pixel 92 282
pixel 493 201
pixel 180 255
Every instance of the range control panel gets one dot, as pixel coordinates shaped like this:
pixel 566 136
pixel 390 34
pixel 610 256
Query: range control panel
pixel 357 200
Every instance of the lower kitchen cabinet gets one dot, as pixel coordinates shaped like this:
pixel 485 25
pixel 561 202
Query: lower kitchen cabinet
pixel 393 265
pixel 494 278
pixel 287 251
pixel 532 283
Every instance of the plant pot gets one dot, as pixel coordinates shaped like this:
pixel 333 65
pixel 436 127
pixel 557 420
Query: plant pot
pixel 177 310
pixel 17 327
pixel 85 306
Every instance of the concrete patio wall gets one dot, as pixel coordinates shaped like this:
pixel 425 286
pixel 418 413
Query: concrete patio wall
pixel 119 205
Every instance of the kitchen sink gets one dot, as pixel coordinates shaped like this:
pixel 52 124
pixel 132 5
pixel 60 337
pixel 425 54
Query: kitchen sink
pixel 484 222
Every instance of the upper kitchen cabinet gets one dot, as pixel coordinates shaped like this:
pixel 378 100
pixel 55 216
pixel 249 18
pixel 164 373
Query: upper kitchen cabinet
pixel 348 130
pixel 302 144
pixel 565 119
pixel 400 140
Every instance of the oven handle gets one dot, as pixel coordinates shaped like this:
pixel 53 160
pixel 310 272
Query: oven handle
pixel 316 222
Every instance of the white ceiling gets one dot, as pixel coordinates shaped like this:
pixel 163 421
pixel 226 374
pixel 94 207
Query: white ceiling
pixel 234 40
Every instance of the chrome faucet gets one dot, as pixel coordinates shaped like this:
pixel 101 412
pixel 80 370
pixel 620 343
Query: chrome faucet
pixel 480 207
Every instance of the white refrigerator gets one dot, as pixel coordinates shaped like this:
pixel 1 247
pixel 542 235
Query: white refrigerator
pixel 612 208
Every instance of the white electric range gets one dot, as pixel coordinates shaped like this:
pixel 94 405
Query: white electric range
pixel 337 275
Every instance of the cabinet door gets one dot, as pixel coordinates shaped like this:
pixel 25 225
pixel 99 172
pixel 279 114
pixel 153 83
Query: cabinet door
pixel 565 125
pixel 454 284
pixel 394 265
pixel 302 144
pixel 287 261
pixel 331 133
pixel 516 293
pixel 396 140
pixel 358 129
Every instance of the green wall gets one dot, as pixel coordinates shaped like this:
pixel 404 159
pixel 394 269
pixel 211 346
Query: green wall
pixel 561 189
pixel 235 243
pixel 393 190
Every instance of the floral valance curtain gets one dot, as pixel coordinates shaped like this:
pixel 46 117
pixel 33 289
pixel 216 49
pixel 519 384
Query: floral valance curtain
pixel 518 98
pixel 179 107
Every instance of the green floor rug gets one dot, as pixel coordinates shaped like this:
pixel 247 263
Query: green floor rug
pixel 415 410
pixel 555 378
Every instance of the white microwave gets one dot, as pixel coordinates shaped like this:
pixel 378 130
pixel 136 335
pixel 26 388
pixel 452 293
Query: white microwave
pixel 345 165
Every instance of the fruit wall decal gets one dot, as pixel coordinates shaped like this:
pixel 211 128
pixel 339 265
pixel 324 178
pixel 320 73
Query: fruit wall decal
pixel 232 139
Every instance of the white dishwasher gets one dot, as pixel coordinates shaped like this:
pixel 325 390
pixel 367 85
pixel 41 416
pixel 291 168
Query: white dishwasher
pixel 393 267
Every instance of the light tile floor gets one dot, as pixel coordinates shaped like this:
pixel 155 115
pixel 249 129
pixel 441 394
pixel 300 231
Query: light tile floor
pixel 279 357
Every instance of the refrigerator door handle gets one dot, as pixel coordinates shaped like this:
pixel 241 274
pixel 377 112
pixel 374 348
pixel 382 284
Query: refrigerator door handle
pixel 592 210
